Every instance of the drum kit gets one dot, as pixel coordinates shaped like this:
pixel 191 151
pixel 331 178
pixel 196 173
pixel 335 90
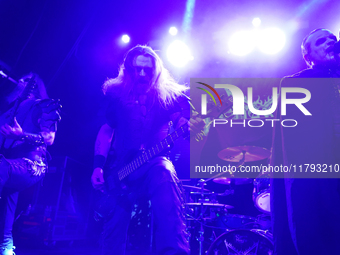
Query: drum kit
pixel 215 231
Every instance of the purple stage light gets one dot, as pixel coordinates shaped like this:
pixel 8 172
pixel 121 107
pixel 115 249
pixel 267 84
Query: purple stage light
pixel 126 38
pixel 271 40
pixel 256 22
pixel 241 43
pixel 179 54
pixel 173 31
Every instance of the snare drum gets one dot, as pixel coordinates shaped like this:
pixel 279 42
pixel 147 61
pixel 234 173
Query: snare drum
pixel 261 193
pixel 241 241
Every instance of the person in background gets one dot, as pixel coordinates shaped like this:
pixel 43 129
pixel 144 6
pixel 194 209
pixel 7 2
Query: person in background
pixel 306 204
pixel 28 126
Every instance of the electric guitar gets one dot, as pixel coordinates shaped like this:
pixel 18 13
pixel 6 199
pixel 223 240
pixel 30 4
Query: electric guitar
pixel 116 179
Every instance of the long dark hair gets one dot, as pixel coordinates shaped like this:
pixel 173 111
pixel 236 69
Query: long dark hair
pixel 165 87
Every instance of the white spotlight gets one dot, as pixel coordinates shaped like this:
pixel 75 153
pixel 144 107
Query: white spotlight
pixel 173 31
pixel 271 40
pixel 179 54
pixel 126 38
pixel 256 22
pixel 241 43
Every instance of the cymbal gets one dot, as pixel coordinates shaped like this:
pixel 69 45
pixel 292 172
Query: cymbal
pixel 236 181
pixel 188 187
pixel 201 193
pixel 210 204
pixel 222 180
pixel 251 153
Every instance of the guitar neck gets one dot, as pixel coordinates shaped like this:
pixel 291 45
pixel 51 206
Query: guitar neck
pixel 152 152
pixel 166 142
pixel 23 96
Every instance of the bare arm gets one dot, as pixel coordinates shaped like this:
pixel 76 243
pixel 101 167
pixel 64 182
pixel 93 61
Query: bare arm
pixel 15 132
pixel 103 141
pixel 102 147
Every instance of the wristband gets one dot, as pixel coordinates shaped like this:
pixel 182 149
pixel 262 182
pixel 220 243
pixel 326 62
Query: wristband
pixel 99 161
pixel 34 139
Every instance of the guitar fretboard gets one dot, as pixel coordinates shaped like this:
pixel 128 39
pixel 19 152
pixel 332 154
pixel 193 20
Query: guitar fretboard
pixel 151 152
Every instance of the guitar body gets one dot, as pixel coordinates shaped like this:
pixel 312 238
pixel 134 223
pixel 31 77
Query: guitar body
pixel 116 189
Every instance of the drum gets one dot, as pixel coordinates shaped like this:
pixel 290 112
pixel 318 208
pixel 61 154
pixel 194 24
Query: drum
pixel 207 211
pixel 233 221
pixel 241 241
pixel 261 193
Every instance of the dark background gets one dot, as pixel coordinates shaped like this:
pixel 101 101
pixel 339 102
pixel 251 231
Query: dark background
pixel 75 45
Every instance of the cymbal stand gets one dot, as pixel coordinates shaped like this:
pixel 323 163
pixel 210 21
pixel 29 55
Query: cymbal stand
pixel 202 182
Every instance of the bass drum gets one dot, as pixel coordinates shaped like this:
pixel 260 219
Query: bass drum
pixel 243 242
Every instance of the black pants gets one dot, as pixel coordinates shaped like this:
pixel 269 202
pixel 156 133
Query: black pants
pixel 160 185
pixel 306 216
pixel 15 175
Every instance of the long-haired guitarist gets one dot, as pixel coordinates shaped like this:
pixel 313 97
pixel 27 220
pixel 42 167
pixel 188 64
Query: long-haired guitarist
pixel 145 100
pixel 28 125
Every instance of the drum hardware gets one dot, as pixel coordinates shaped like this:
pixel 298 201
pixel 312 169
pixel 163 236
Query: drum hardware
pixel 210 204
pixel 193 188
pixel 236 181
pixel 261 193
pixel 264 221
pixel 230 221
pixel 202 206
pixel 240 228
pixel 202 234
pixel 227 192
pixel 203 182
pixel 242 242
pixel 212 195
pixel 202 193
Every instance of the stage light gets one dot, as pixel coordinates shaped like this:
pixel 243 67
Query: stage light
pixel 179 54
pixel 271 40
pixel 173 31
pixel 241 43
pixel 126 38
pixel 256 22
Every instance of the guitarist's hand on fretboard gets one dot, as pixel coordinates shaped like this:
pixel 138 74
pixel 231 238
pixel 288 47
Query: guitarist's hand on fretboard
pixel 196 124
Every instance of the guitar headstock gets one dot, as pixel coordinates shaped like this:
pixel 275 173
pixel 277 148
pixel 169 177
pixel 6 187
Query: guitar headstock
pixel 29 88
